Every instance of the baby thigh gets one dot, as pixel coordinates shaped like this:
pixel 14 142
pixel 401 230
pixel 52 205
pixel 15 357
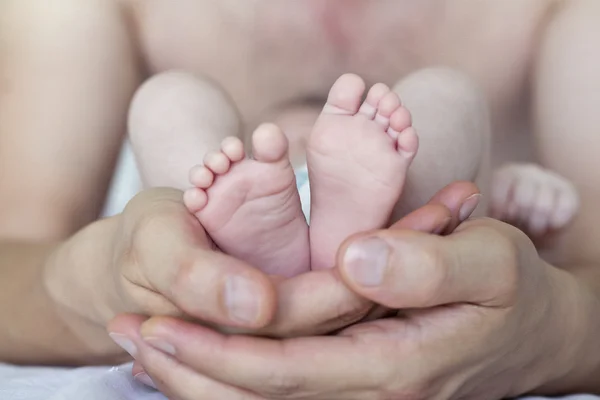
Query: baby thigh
pixel 175 119
pixel 452 120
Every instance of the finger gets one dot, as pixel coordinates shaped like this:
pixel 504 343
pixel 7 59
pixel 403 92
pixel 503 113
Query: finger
pixel 567 205
pixel 217 288
pixel 319 302
pixel 524 197
pixel 461 198
pixel 448 208
pixel 136 368
pixel 312 367
pixel 405 269
pixel 511 209
pixel 539 217
pixel 314 303
pixel 501 189
pixel 175 258
pixel 431 218
pixel 445 211
pixel 172 378
pixel 139 374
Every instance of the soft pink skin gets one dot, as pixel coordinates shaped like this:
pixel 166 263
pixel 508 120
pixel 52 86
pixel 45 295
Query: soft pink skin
pixel 251 207
pixel 358 156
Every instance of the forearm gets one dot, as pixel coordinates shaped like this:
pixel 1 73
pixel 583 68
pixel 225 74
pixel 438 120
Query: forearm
pixel 565 95
pixel 45 291
pixel 586 372
pixel 574 364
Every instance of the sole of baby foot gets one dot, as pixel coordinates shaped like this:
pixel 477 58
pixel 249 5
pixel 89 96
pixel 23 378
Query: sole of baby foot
pixel 250 206
pixel 358 156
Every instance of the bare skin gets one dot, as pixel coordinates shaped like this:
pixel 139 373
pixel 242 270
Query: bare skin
pixel 296 106
pixel 251 207
pixel 358 156
pixel 293 52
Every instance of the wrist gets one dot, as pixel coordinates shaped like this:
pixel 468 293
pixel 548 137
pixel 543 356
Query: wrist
pixel 78 279
pixel 573 365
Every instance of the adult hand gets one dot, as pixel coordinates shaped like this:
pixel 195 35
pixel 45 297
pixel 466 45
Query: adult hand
pixel 163 263
pixel 449 207
pixel 319 302
pixel 485 318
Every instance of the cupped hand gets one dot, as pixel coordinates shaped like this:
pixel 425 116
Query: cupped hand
pixel 483 318
pixel 163 263
pixel 311 303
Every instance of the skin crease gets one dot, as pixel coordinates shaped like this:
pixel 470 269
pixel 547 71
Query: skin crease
pixel 47 213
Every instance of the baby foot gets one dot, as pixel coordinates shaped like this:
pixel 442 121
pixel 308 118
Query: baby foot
pixel 358 156
pixel 532 198
pixel 251 207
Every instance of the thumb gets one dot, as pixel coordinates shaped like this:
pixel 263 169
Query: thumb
pixel 408 269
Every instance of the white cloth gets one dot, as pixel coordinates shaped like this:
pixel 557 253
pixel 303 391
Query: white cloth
pixel 125 184
pixel 304 190
pixel 109 383
pixel 91 383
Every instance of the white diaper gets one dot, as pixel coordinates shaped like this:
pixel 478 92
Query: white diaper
pixel 304 190
pixel 93 383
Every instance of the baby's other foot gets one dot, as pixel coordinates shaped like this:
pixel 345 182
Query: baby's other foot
pixel 533 198
pixel 358 156
pixel 251 207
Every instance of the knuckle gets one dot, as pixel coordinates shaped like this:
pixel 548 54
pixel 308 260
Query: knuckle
pixel 433 274
pixel 149 227
pixel 142 234
pixel 175 263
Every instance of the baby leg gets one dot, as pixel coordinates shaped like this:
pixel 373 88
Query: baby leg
pixel 451 117
pixel 174 121
pixel 249 207
pixel 357 177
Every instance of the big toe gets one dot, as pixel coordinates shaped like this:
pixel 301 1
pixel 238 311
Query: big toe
pixel 269 143
pixel 345 95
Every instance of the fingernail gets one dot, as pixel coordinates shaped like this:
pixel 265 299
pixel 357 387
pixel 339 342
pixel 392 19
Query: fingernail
pixel 242 299
pixel 366 261
pixel 125 343
pixel 145 379
pixel 161 345
pixel 469 206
